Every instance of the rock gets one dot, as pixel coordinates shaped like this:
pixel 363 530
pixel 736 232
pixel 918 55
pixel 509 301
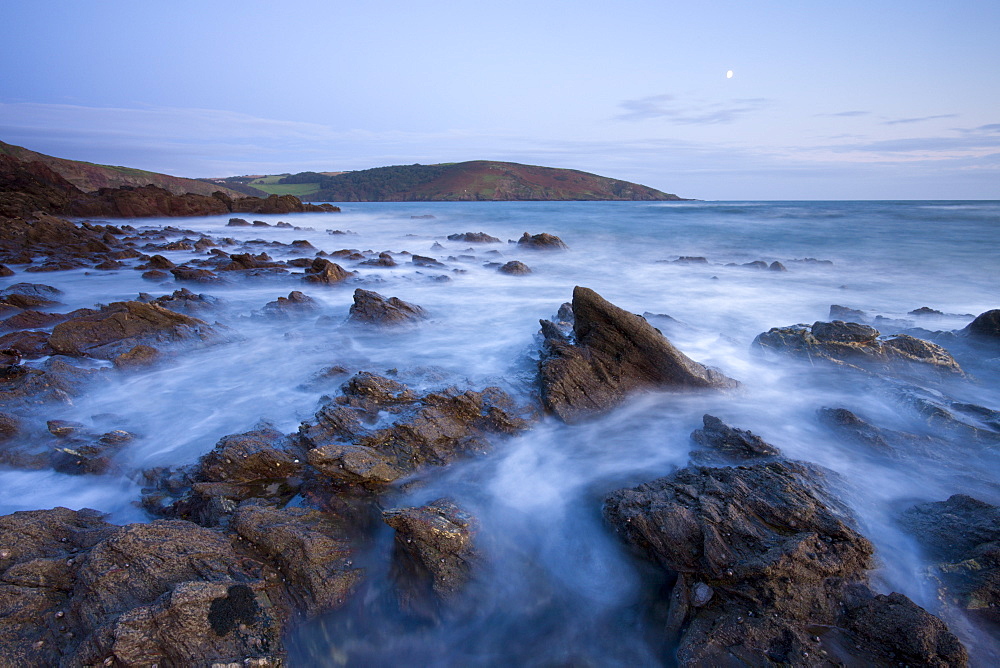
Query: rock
pixel 986 326
pixel 28 295
pixel 514 268
pixel 424 261
pixel 121 326
pixel 10 426
pixel 691 259
pixel 372 308
pixel 543 241
pixel 844 313
pixel 384 260
pixel 734 443
pixel 962 535
pixel 84 454
pixel 925 310
pixel 296 303
pixel 263 454
pixel 324 271
pixel 756 264
pixel 474 238
pixel 433 553
pixel 238 222
pixel 248 261
pixel 194 275
pixel 309 548
pixel 26 344
pixel 155 275
pixel 777 266
pixel 5 271
pixel 857 346
pixel 138 356
pixel 613 353
pixel 782 560
pixel 426 431
pixel 30 319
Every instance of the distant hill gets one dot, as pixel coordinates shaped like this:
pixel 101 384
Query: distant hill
pixel 90 177
pixel 477 180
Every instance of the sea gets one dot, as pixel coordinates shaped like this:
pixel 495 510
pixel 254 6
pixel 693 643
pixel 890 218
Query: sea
pixel 557 586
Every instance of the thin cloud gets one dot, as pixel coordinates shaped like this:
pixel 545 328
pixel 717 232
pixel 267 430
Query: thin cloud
pixel 919 119
pixel 669 107
pixel 847 114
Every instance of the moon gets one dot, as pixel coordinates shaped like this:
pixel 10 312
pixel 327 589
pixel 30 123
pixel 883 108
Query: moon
pixel 729 74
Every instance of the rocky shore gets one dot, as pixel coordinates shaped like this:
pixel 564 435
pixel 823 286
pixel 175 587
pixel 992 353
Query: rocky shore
pixel 761 560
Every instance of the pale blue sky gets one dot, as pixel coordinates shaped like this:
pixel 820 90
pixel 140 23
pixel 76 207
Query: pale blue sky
pixel 865 100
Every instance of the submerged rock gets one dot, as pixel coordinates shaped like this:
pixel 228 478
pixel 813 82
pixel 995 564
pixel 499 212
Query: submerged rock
pixel 372 308
pixel 120 326
pixel 433 553
pixel 543 241
pixel 612 354
pixel 962 535
pixel 28 295
pixel 764 559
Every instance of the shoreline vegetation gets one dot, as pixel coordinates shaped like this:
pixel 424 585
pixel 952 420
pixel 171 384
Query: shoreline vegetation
pixel 757 559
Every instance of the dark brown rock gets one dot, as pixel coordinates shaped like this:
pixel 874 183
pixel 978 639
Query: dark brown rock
pixel 764 558
pixel 985 327
pixel 30 319
pixel 194 275
pixel 120 326
pixel 613 353
pixel 27 344
pixel 295 304
pixel 737 444
pixel 374 309
pixel 543 241
pixel 28 295
pixel 474 238
pixel 514 268
pixel 324 271
pixel 858 346
pixel 137 356
pixel 434 553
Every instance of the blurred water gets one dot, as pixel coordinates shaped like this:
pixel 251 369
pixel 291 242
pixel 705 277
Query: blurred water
pixel 559 578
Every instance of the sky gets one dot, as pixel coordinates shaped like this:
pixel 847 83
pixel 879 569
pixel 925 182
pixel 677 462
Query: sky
pixel 881 99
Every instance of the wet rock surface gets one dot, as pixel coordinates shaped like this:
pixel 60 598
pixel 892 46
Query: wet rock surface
pixel 763 558
pixel 434 554
pixel 543 241
pixel 611 354
pixel 731 443
pixel 856 345
pixel 373 309
pixel 962 536
pixel 514 268
pixel 120 326
pixel 474 238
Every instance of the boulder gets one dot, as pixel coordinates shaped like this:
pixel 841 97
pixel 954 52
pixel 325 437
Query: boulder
pixel 543 241
pixel 768 570
pixel 374 309
pixel 514 268
pixel 857 346
pixel 986 326
pixel 611 354
pixel 474 238
pixel 295 304
pixel 383 260
pixel 434 553
pixel 324 271
pixel 120 326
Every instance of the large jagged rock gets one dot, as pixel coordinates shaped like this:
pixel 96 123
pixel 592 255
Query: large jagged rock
pixel 120 326
pixel 769 570
pixel 374 309
pixel 612 353
pixel 434 553
pixel 431 430
pixel 962 535
pixel 855 345
pixel 324 271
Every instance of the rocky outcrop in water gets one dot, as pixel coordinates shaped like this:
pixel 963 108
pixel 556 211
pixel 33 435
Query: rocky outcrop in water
pixel 514 268
pixel 985 328
pixel 855 345
pixel 326 272
pixel 610 354
pixel 962 536
pixel 474 238
pixel 373 309
pixel 768 569
pixel 121 326
pixel 434 554
pixel 543 241
pixel 347 445
pixel 730 443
